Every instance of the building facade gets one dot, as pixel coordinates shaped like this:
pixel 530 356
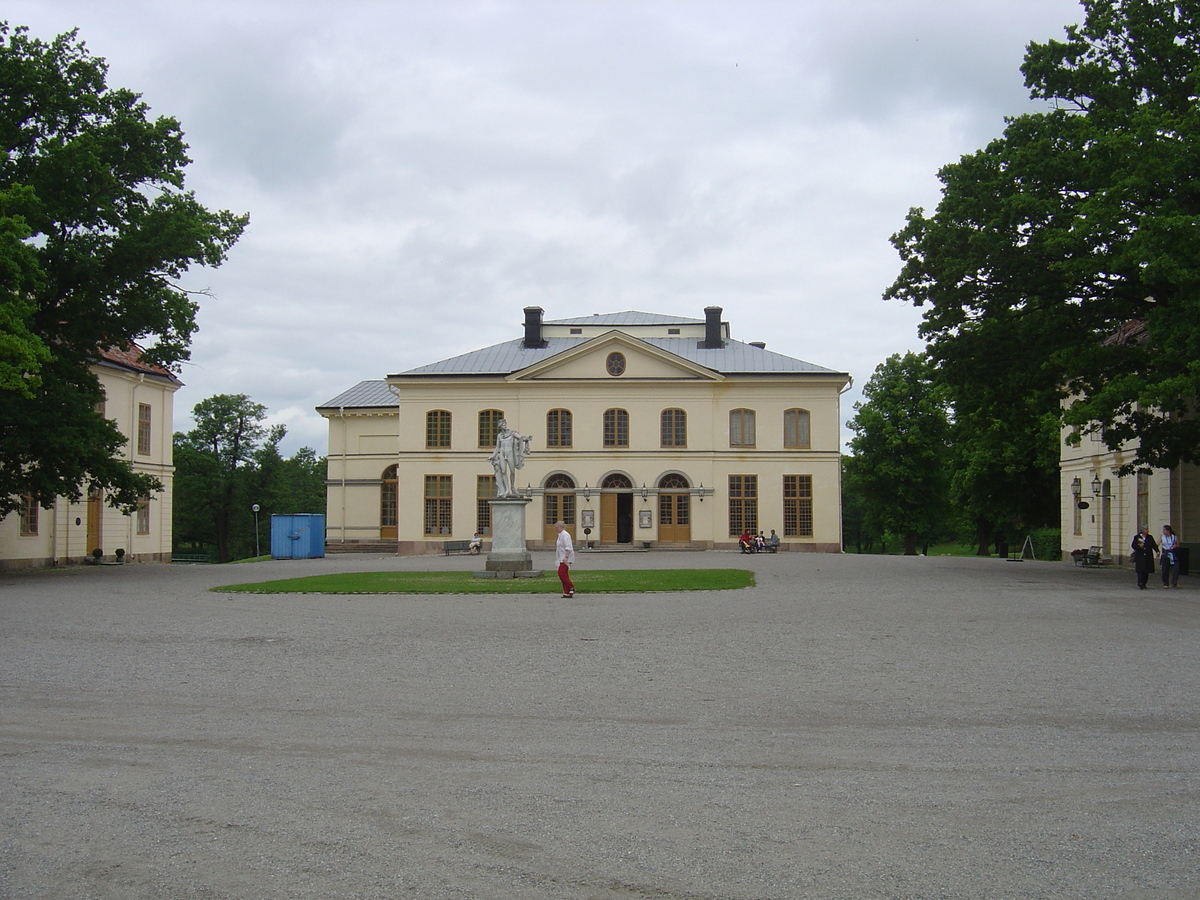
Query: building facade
pixel 1102 509
pixel 139 398
pixel 646 430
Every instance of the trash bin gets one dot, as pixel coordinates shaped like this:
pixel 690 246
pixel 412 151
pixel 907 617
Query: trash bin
pixel 297 536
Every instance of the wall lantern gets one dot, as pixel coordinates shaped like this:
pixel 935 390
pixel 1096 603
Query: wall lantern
pixel 1096 485
pixel 644 492
pixel 1076 487
pixel 587 491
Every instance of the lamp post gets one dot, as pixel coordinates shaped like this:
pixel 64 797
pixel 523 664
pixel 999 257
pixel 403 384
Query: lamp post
pixel 255 508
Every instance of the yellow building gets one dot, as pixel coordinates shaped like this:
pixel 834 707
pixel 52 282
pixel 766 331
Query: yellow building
pixel 139 398
pixel 646 430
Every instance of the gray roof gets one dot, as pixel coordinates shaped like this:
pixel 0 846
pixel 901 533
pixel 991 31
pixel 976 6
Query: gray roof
pixel 735 358
pixel 629 317
pixel 363 394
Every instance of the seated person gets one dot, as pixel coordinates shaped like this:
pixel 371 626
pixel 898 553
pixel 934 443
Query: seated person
pixel 476 544
pixel 746 542
pixel 760 543
pixel 773 542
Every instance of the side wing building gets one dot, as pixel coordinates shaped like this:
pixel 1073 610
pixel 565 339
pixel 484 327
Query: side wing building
pixel 647 430
pixel 139 397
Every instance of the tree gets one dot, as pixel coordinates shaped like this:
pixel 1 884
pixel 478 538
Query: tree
pixel 1077 222
pixel 213 461
pixel 230 461
pixel 95 231
pixel 900 449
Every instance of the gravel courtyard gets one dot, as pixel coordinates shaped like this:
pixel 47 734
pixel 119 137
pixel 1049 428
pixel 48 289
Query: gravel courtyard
pixel 853 727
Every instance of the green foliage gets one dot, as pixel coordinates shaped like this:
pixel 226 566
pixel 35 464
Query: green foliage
pixel 600 582
pixel 227 463
pixel 95 230
pixel 900 472
pixel 1076 222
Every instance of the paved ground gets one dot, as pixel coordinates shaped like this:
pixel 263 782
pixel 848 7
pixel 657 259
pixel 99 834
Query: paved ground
pixel 853 727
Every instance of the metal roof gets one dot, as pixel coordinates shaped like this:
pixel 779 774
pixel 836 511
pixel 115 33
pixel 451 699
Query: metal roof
pixel 629 317
pixel 735 358
pixel 364 394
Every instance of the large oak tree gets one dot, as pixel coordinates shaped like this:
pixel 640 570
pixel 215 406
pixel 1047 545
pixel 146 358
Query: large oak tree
pixel 1080 223
pixel 96 229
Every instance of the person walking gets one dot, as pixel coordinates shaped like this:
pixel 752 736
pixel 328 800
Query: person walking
pixel 1144 548
pixel 564 555
pixel 1170 557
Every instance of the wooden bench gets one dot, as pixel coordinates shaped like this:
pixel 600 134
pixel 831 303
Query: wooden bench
pixel 449 547
pixel 1091 558
pixel 189 558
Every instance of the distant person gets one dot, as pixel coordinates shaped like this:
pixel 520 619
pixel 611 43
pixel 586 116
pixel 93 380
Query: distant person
pixel 564 555
pixel 746 542
pixel 476 544
pixel 760 543
pixel 1170 557
pixel 1144 548
pixel 773 542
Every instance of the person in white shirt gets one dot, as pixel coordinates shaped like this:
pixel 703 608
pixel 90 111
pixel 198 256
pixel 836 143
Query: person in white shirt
pixel 1169 561
pixel 564 555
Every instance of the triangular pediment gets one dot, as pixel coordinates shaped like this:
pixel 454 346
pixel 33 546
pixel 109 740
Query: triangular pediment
pixel 590 361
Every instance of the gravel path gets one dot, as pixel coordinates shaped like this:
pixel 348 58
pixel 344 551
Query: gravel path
pixel 852 727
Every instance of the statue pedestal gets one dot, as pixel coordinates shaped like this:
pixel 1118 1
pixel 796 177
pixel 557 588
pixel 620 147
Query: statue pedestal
pixel 508 552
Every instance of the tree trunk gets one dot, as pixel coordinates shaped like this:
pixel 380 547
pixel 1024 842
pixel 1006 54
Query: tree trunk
pixel 910 543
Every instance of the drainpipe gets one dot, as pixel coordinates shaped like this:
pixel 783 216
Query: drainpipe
pixel 841 512
pixel 342 414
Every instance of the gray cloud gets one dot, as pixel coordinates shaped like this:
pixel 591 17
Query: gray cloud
pixel 417 172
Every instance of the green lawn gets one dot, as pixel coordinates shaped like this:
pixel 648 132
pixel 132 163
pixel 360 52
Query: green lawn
pixel 607 582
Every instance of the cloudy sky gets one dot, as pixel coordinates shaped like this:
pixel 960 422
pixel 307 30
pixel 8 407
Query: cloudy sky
pixel 418 172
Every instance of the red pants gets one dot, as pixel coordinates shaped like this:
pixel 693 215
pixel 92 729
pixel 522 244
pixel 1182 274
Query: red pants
pixel 564 575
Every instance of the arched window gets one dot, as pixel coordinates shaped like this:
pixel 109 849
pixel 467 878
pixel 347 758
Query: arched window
pixel 558 428
pixel 616 428
pixel 795 429
pixel 437 428
pixel 674 428
pixel 560 482
pixel 741 428
pixel 673 482
pixel 489 427
pixel 617 481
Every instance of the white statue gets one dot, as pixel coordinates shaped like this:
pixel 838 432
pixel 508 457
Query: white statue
pixel 508 456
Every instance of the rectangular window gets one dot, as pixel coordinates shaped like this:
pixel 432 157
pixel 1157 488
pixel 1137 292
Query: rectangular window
pixel 797 506
pixel 616 428
pixel 439 502
pixel 485 490
pixel 743 504
pixel 795 429
pixel 674 428
pixel 143 515
pixel 143 431
pixel 558 428
pixel 489 427
pixel 437 428
pixel 1143 499
pixel 741 428
pixel 29 515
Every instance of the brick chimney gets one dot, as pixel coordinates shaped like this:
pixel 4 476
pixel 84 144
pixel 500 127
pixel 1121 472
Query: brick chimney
pixel 712 329
pixel 533 327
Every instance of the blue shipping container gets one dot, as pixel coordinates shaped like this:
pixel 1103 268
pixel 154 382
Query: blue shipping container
pixel 298 536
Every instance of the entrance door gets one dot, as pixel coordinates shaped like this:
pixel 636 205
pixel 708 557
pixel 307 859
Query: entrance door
pixel 616 510
pixel 559 504
pixel 674 510
pixel 608 518
pixel 388 504
pixel 674 518
pixel 95 512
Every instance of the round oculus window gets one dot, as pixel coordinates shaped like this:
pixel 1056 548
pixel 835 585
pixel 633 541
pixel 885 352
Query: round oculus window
pixel 615 364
